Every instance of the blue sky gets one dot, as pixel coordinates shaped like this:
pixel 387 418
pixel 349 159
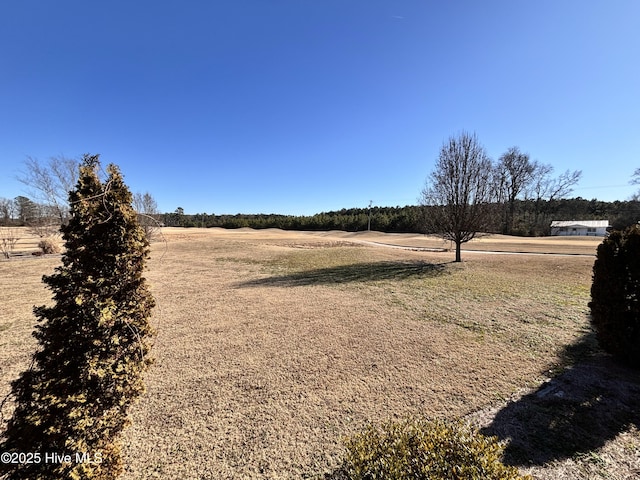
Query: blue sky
pixel 303 106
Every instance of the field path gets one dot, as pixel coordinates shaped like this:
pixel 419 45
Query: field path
pixel 491 252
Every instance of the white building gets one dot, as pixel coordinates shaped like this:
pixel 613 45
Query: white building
pixel 592 228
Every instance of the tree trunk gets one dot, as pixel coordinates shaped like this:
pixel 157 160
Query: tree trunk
pixel 510 215
pixel 458 248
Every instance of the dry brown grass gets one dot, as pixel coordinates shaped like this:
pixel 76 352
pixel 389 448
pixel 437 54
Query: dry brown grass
pixel 272 346
pixel 20 289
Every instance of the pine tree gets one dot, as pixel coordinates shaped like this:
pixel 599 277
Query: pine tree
pixel 93 342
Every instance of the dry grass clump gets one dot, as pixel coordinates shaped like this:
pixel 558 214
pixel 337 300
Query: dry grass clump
pixel 49 246
pixel 268 354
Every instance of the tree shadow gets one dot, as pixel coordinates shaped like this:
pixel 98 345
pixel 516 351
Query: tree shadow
pixel 358 272
pixel 591 401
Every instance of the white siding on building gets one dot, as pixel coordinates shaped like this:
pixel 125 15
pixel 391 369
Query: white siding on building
pixel 593 228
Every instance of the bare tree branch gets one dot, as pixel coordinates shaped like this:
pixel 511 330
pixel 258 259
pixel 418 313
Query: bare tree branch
pixel 562 186
pixel 51 181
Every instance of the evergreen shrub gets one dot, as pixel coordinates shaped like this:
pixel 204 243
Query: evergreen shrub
pixel 420 449
pixel 615 295
pixel 93 342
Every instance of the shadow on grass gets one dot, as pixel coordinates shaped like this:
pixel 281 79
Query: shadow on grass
pixel 587 404
pixel 358 272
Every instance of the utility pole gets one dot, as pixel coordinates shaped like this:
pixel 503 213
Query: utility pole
pixel 369 224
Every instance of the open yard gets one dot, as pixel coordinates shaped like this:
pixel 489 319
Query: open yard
pixel 272 346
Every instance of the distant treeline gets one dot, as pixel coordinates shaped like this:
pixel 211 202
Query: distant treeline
pixel 385 219
pixel 532 218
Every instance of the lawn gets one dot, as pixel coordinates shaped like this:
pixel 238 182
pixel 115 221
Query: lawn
pixel 272 346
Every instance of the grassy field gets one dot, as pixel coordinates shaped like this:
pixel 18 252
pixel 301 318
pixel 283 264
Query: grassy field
pixel 272 346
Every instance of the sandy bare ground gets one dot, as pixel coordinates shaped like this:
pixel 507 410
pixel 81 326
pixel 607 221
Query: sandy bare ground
pixel 272 346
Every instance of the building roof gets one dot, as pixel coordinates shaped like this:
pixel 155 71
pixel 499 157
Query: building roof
pixel 580 223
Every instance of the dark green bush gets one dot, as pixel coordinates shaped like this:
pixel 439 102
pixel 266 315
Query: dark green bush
pixel 615 295
pixel 420 449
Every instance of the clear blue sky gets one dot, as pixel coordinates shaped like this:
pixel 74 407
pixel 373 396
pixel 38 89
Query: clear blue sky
pixel 302 106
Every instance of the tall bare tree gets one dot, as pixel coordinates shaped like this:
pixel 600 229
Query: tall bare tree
pixel 459 191
pixel 546 188
pixel 515 173
pixel 147 209
pixel 50 182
